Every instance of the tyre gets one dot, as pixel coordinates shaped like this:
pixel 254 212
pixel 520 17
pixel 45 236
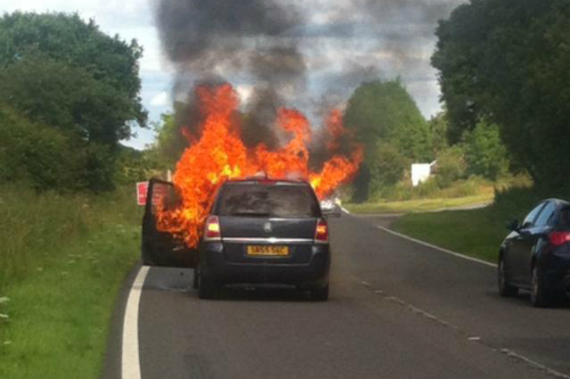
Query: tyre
pixel 195 282
pixel 320 294
pixel 540 297
pixel 146 254
pixel 207 288
pixel 505 288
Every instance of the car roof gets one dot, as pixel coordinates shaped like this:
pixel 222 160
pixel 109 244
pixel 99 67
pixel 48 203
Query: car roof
pixel 266 181
pixel 558 202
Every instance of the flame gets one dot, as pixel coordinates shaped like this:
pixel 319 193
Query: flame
pixel 219 155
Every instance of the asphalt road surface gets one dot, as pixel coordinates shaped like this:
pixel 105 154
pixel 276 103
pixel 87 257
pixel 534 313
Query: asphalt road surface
pixel 397 310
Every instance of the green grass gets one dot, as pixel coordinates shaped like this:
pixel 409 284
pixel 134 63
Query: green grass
pixel 418 205
pixel 474 233
pixel 477 233
pixel 62 262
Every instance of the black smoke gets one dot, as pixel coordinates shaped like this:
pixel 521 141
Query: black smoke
pixel 210 40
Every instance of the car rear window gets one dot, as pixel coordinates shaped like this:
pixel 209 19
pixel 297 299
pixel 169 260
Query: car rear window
pixel 258 200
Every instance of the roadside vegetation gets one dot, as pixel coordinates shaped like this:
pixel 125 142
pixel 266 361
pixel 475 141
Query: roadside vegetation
pixel 524 95
pixel 477 232
pixel 69 223
pixel 62 262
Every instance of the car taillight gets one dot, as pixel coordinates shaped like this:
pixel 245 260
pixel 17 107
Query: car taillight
pixel 212 230
pixel 559 238
pixel 322 232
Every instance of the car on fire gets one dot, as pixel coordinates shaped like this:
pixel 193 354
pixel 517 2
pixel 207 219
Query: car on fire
pixel 536 254
pixel 259 232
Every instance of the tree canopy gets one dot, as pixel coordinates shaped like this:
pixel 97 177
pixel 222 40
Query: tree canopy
pixel 387 121
pixel 507 61
pixel 68 94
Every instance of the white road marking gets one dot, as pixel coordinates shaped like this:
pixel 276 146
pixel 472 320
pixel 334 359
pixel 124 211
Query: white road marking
pixel 437 247
pixel 535 364
pixel 345 210
pixel 130 361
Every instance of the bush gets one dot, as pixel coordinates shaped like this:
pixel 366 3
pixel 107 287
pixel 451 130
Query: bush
pixel 485 153
pixel 34 153
pixel 388 167
pixel 451 166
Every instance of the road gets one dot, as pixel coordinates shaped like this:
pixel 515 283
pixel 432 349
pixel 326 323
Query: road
pixel 397 310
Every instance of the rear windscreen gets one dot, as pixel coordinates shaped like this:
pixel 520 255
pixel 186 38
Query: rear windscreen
pixel 257 200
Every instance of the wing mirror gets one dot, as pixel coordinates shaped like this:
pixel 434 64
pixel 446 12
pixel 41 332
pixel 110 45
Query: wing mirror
pixel 514 226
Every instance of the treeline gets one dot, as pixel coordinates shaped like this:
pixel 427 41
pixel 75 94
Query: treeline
pixel 504 70
pixel 387 121
pixel 68 94
pixel 507 62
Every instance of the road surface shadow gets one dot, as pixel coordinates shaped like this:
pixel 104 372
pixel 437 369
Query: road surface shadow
pixel 260 294
pixel 523 299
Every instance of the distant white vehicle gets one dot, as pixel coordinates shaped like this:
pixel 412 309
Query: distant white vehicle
pixel 331 206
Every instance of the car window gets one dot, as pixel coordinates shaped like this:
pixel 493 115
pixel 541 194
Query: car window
pixel 564 217
pixel 546 214
pixel 529 219
pixel 266 200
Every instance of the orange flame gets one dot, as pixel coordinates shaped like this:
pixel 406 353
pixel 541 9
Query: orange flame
pixel 220 155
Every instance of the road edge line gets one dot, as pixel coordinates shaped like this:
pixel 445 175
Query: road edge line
pixel 446 251
pixel 130 358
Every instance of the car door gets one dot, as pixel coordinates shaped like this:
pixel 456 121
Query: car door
pixel 516 255
pixel 529 239
pixel 537 235
pixel 161 248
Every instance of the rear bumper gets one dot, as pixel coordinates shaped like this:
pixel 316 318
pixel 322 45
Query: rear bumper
pixel 556 272
pixel 313 274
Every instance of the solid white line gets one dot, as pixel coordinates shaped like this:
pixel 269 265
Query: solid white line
pixel 530 362
pixel 345 210
pixel 437 247
pixel 130 365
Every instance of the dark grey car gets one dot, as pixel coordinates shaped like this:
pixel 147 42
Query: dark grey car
pixel 536 254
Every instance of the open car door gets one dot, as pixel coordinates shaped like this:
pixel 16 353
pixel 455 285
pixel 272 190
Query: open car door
pixel 160 248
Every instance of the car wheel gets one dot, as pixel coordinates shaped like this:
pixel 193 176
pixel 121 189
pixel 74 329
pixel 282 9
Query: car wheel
pixel 505 288
pixel 539 296
pixel 207 288
pixel 146 254
pixel 195 281
pixel 320 294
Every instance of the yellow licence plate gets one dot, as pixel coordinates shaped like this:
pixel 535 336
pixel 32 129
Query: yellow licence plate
pixel 268 251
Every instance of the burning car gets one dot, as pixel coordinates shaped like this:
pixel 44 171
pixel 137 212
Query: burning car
pixel 258 232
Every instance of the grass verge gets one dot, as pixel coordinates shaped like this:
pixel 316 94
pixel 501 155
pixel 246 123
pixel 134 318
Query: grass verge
pixel 477 233
pixel 418 205
pixel 63 262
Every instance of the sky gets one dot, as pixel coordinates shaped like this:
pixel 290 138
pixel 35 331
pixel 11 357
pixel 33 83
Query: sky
pixel 342 47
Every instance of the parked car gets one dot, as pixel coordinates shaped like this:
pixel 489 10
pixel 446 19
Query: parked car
pixel 259 232
pixel 536 254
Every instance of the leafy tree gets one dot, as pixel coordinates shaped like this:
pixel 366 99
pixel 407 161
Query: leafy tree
pixel 507 61
pixel 170 142
pixel 382 114
pixel 485 154
pixel 388 169
pixel 58 72
pixel 451 166
pixel 439 126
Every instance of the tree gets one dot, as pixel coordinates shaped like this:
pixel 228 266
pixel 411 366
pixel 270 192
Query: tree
pixel 92 76
pixel 384 114
pixel 439 126
pixel 170 143
pixel 485 154
pixel 78 87
pixel 507 62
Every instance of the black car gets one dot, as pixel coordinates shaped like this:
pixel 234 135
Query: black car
pixel 536 254
pixel 259 232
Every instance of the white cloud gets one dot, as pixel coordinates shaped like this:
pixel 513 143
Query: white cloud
pixel 161 100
